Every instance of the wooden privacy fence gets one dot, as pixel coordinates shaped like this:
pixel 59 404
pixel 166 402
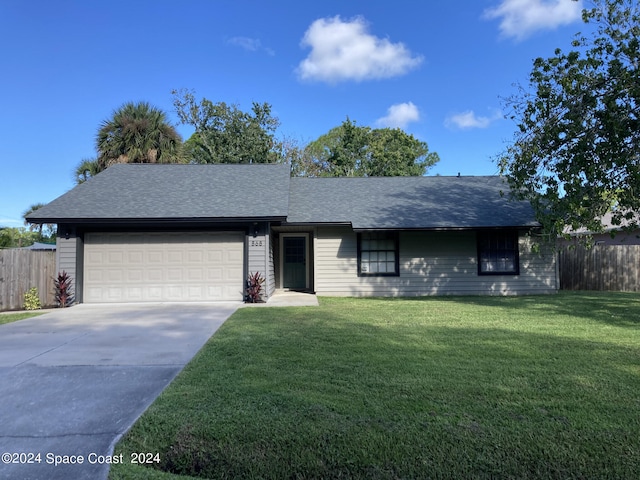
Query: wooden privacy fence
pixel 601 267
pixel 22 269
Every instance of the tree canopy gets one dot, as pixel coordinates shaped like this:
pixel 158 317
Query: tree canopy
pixel 135 133
pixel 46 231
pixel 226 134
pixel 17 237
pixel 87 168
pixel 575 154
pixel 353 150
pixel 140 133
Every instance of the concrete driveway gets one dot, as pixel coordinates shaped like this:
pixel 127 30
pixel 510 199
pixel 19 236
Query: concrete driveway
pixel 73 381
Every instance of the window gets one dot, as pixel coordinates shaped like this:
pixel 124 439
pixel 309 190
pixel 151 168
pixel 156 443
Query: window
pixel 498 253
pixel 378 254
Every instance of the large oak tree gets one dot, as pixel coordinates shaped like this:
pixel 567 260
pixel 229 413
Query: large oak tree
pixel 226 134
pixel 576 152
pixel 350 150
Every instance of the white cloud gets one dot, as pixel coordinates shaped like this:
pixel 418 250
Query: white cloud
pixel 469 119
pixel 249 44
pixel 345 50
pixel 520 18
pixel 399 115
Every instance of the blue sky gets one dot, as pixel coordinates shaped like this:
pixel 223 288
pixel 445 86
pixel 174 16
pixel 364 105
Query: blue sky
pixel 439 70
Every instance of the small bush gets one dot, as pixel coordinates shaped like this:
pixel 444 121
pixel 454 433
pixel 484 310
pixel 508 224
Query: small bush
pixel 32 299
pixel 254 288
pixel 62 289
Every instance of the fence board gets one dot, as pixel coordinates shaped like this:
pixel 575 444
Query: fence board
pixel 22 269
pixel 601 267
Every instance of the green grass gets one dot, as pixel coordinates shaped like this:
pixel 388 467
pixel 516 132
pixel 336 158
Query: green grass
pixel 14 317
pixel 484 387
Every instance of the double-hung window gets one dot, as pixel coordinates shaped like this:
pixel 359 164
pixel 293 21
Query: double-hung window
pixel 498 253
pixel 378 254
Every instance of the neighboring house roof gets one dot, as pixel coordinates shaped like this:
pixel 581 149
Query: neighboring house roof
pixel 258 191
pixel 40 246
pixel 155 192
pixel 408 202
pixel 607 225
pixel 626 233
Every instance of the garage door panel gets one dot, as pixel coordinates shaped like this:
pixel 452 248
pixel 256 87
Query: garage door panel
pixel 115 276
pixel 194 275
pixel 233 256
pixel 114 294
pixel 154 256
pixel 135 275
pixel 154 294
pixel 139 267
pixel 134 294
pixel 154 275
pixel 195 256
pixel 174 256
pixel 136 257
pixel 215 275
pixel 95 258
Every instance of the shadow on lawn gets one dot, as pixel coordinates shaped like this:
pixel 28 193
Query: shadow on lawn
pixel 621 309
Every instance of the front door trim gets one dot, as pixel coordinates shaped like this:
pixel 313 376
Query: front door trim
pixel 306 258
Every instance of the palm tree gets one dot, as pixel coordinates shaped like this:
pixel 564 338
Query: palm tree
pixel 86 169
pixel 46 231
pixel 138 133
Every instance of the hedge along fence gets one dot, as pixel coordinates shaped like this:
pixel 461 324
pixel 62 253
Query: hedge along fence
pixel 22 269
pixel 601 267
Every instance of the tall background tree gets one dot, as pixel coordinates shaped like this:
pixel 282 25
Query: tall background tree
pixel 226 134
pixel 87 168
pixel 139 133
pixel 135 133
pixel 46 231
pixel 17 237
pixel 356 151
pixel 576 152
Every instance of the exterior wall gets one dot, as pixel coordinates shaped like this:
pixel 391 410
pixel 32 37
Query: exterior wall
pixel 431 263
pixel 271 270
pixel 258 256
pixel 68 259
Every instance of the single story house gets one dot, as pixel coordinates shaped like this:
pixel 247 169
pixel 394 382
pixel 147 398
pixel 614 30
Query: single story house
pixel 147 232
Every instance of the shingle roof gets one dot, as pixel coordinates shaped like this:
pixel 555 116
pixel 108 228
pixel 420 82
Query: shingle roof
pixel 407 202
pixel 258 191
pixel 137 191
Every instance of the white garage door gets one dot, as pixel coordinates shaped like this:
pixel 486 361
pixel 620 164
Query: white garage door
pixel 163 267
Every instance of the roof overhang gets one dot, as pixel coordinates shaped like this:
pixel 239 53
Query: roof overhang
pixel 447 228
pixel 146 220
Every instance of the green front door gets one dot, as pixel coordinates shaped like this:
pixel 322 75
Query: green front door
pixel 294 262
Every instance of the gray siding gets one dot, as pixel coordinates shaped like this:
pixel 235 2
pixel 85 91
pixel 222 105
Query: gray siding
pixel 271 271
pixel 431 263
pixel 67 253
pixel 258 258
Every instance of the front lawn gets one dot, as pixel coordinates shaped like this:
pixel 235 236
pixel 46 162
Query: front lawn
pixel 14 317
pixel 519 387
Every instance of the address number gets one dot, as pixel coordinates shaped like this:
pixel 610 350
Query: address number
pixel 256 243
